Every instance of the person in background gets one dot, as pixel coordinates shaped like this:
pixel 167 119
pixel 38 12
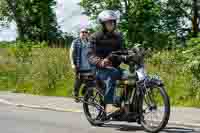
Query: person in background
pixel 79 60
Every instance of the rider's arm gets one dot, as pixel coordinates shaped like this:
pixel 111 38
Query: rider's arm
pixel 92 57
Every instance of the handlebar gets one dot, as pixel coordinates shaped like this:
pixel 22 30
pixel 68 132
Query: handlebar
pixel 140 51
pixel 135 55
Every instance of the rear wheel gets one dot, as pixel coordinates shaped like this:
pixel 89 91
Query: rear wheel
pixel 155 109
pixel 93 107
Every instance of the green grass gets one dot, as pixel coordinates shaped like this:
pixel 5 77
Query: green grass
pixel 42 71
pixel 182 87
pixel 178 85
pixel 7 80
pixel 47 71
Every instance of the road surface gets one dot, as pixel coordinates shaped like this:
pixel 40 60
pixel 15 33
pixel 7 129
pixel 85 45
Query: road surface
pixel 25 120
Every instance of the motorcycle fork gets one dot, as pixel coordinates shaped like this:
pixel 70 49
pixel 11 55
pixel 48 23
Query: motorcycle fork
pixel 135 101
pixel 125 105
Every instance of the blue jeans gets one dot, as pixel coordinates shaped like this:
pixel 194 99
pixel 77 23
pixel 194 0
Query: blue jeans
pixel 109 76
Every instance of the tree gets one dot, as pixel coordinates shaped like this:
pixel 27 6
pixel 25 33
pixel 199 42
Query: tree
pixel 35 19
pixel 154 23
pixel 139 19
pixel 195 19
pixel 9 12
pixel 180 12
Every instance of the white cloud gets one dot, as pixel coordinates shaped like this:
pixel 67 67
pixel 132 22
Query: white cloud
pixel 69 15
pixel 8 33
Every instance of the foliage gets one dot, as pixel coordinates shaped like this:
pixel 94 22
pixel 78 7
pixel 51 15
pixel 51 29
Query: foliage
pixel 192 54
pixel 47 71
pixel 180 83
pixel 68 38
pixel 32 67
pixel 153 23
pixel 35 19
pixel 180 69
pixel 175 14
pixel 43 71
pixel 138 18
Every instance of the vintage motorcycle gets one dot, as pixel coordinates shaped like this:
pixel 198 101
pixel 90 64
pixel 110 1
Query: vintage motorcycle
pixel 143 98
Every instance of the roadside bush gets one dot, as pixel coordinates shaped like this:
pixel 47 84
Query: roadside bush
pixel 179 69
pixel 36 69
pixel 47 71
pixel 192 54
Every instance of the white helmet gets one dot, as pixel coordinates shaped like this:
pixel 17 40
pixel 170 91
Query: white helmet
pixel 107 15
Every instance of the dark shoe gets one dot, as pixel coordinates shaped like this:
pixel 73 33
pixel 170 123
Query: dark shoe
pixel 76 97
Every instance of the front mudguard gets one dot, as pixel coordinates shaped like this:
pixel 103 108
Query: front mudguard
pixel 153 82
pixel 150 83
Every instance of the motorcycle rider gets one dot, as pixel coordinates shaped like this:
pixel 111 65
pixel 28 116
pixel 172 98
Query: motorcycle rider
pixel 102 43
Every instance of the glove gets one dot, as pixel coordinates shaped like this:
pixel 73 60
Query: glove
pixel 105 63
pixel 115 58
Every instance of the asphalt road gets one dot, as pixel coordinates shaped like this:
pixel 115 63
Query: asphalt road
pixel 24 120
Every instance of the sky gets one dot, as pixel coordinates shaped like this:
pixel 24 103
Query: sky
pixel 69 17
pixel 8 33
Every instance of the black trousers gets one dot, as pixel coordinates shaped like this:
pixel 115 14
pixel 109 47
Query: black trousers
pixel 79 81
pixel 77 85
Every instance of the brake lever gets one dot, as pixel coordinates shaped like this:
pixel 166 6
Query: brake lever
pixel 120 52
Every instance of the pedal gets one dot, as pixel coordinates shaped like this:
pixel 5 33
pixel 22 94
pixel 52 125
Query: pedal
pixel 77 100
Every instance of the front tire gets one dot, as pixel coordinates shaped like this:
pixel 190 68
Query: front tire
pixel 156 99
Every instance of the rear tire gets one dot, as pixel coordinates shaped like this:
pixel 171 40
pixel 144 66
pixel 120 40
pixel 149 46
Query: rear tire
pixel 96 121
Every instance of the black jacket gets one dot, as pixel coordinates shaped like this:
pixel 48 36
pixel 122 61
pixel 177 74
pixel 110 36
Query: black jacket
pixel 102 44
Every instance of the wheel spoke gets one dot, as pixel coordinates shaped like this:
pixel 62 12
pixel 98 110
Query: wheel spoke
pixel 154 109
pixel 93 106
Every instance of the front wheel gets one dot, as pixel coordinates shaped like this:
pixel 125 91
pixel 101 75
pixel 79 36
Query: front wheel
pixel 155 109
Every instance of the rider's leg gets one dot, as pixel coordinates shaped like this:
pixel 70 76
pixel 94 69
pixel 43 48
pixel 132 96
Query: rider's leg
pixel 109 92
pixel 109 95
pixel 115 74
pixel 111 75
